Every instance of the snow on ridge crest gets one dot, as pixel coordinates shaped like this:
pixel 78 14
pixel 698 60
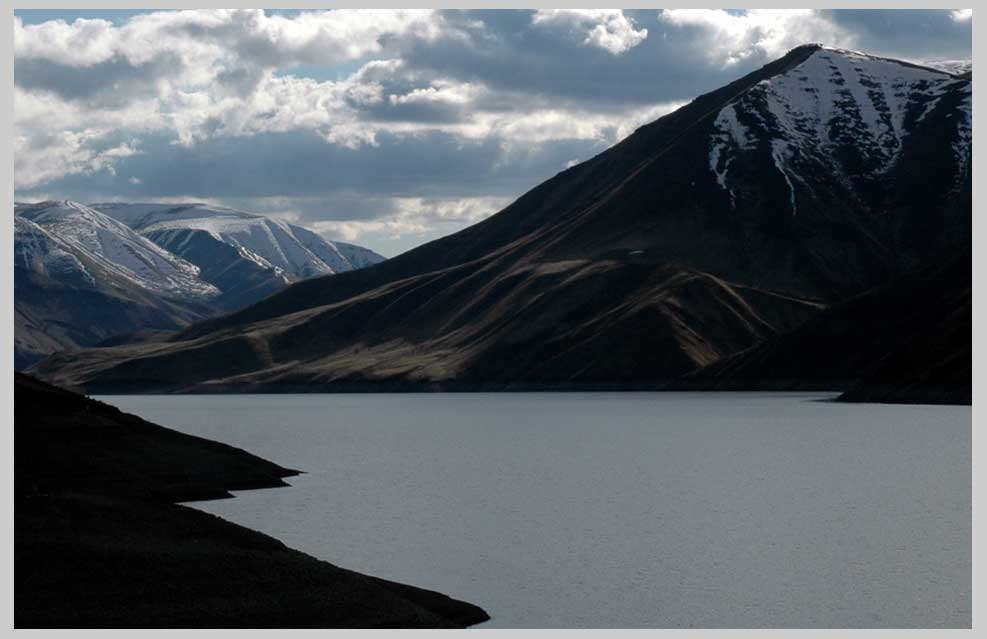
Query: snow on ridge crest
pixel 835 98
pixel 297 253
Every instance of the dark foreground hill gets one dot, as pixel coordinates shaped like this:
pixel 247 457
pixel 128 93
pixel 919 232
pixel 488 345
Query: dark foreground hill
pixel 99 543
pixel 718 227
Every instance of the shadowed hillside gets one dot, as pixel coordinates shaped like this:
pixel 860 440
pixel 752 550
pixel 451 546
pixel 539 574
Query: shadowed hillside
pixel 908 341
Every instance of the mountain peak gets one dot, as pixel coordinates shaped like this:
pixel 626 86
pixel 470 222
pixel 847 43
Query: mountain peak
pixel 840 112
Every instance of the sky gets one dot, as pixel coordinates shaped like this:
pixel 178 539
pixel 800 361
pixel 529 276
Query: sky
pixel 386 128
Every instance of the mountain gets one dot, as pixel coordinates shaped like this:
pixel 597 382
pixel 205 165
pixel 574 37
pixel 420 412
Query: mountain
pixel 728 222
pixel 242 276
pixel 80 277
pixel 246 256
pixel 293 252
pixel 83 276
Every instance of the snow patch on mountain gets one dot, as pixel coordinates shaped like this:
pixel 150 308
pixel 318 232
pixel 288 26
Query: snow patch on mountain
pixel 779 149
pixel 116 248
pixel 962 145
pixel 727 130
pixel 956 67
pixel 357 256
pixel 38 251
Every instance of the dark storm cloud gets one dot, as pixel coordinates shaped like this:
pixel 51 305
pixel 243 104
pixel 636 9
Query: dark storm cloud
pixel 523 59
pixel 302 165
pixel 108 84
pixel 933 34
pixel 421 112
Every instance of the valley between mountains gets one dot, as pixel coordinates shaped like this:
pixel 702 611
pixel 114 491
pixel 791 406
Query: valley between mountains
pixel 754 238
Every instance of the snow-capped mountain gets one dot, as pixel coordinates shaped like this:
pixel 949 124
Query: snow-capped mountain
pixel 845 114
pixel 357 256
pixel 82 276
pixel 243 276
pixel 294 252
pixel 69 293
pixel 115 248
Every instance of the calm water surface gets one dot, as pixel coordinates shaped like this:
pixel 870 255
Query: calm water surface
pixel 618 510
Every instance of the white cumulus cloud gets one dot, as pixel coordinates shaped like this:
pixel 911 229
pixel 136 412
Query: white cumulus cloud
pixel 730 37
pixel 608 29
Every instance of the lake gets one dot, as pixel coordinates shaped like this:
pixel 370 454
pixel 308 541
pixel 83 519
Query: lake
pixel 618 509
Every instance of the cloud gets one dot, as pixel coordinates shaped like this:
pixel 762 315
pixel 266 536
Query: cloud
pixel 961 15
pixel 414 216
pixel 386 124
pixel 731 37
pixel 914 34
pixel 81 43
pixel 607 29
pixel 196 74
pixel 381 96
pixel 206 37
pixel 49 156
pixel 213 71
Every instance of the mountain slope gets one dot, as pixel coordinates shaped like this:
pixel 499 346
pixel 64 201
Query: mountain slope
pixel 66 295
pixel 934 367
pixel 911 332
pixel 734 218
pixel 563 324
pixel 242 276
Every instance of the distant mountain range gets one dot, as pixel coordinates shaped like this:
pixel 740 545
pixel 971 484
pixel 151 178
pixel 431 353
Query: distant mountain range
pixel 84 274
pixel 719 228
pixel 296 252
